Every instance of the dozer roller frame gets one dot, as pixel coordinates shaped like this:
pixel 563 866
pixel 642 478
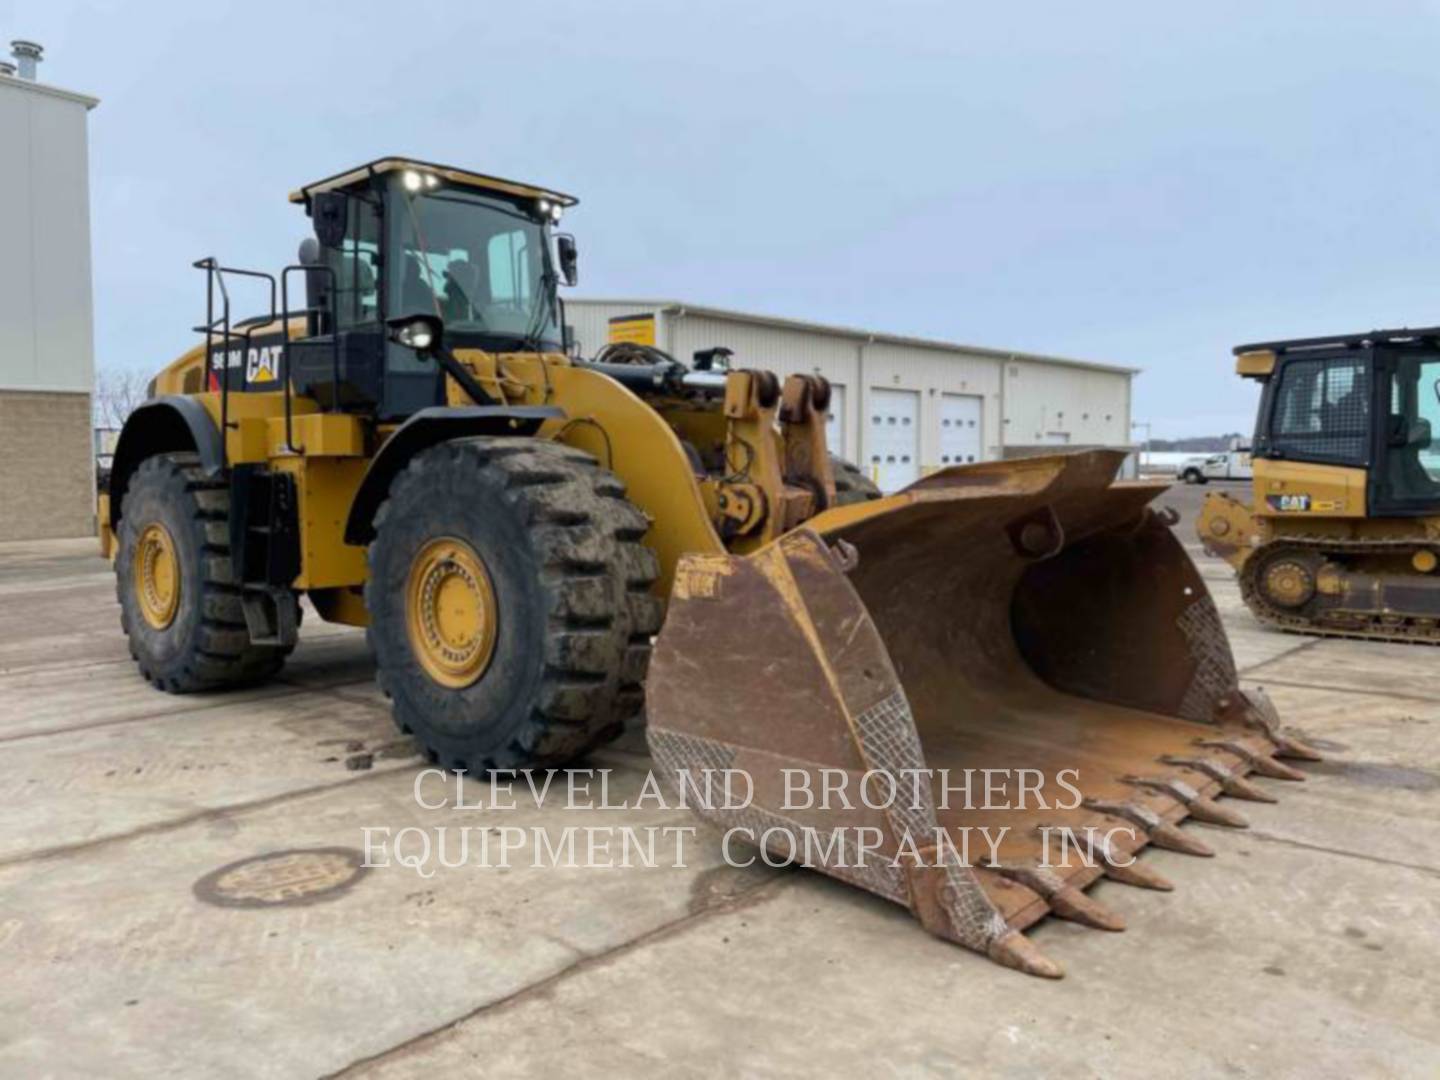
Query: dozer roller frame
pixel 1026 617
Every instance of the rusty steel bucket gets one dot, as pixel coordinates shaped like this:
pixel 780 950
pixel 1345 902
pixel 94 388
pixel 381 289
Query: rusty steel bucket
pixel 1034 618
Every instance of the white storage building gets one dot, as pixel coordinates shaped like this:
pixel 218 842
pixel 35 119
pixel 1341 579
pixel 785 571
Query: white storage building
pixel 903 406
pixel 47 460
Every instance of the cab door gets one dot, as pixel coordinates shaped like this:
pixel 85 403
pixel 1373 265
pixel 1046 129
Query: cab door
pixel 1406 479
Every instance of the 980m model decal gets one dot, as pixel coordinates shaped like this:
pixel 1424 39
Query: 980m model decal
pixel 261 363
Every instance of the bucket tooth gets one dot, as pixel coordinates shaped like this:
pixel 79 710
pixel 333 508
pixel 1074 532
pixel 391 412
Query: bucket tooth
pixel 1288 746
pixel 1212 813
pixel 1065 900
pixel 1015 950
pixel 1102 854
pixel 1201 808
pixel 1231 782
pixel 1263 764
pixel 1142 877
pixel 1173 838
pixel 1161 832
pixel 1075 906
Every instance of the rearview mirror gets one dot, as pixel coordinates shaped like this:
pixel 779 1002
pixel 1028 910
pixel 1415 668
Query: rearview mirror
pixel 328 211
pixel 569 258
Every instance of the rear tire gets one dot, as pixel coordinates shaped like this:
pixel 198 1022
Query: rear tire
pixel 851 485
pixel 173 513
pixel 510 603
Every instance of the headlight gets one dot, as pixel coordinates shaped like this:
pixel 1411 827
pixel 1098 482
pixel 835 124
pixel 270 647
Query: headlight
pixel 418 332
pixel 411 180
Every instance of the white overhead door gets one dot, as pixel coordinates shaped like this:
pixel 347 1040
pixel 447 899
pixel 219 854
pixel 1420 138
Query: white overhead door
pixel 835 422
pixel 893 438
pixel 960 442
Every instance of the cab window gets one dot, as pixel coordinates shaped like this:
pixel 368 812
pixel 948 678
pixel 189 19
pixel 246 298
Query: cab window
pixel 1322 411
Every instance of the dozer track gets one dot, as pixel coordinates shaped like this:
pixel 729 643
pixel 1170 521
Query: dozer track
pixel 1030 618
pixel 1315 618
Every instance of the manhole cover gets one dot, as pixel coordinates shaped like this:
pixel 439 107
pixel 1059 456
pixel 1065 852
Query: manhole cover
pixel 282 878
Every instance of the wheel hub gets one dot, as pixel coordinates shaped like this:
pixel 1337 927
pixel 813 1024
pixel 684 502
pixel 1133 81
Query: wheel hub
pixel 156 572
pixel 1289 583
pixel 450 612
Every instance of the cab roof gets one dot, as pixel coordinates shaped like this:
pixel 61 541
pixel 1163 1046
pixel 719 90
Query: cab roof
pixel 1401 336
pixel 452 175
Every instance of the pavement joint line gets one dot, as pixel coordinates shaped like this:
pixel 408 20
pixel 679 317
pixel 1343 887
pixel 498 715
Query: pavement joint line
pixel 292 691
pixel 60 665
pixel 1305 845
pixel 744 900
pixel 60 851
pixel 1332 689
pixel 1303 646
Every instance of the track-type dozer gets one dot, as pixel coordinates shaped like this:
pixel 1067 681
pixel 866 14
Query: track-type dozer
pixel 1340 534
pixel 1015 661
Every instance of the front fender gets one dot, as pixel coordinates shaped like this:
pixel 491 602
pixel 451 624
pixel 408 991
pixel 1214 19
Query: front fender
pixel 428 428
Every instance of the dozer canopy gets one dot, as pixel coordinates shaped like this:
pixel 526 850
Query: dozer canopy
pixel 974 697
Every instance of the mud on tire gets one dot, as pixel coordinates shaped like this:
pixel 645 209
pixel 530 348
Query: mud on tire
pixel 206 645
pixel 572 590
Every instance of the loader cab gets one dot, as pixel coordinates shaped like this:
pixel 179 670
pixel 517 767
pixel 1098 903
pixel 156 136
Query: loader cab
pixel 399 237
pixel 1369 404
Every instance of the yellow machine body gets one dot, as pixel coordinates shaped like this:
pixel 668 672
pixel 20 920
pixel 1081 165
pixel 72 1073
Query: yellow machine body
pixel 1325 546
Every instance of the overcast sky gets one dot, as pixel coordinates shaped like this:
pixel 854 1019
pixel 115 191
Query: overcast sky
pixel 1140 183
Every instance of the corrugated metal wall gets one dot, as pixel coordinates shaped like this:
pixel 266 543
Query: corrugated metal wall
pixel 46 335
pixel 1024 401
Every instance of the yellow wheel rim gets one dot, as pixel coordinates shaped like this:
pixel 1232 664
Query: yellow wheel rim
pixel 157 576
pixel 450 612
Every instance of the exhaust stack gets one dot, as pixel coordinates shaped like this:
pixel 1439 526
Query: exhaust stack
pixel 27 56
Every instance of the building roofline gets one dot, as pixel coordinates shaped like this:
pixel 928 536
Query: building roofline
pixel 680 307
pixel 46 90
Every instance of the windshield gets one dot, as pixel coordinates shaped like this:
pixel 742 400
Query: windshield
pixel 479 263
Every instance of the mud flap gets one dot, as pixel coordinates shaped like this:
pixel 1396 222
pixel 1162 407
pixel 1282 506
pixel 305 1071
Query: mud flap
pixel 973 698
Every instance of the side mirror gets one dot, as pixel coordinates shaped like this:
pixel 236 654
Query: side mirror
pixel 328 211
pixel 569 258
pixel 419 332
pixel 1436 388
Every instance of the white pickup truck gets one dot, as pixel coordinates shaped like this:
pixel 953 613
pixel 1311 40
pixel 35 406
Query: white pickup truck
pixel 1226 465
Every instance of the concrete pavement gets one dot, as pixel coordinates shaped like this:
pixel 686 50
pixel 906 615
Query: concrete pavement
pixel 1307 947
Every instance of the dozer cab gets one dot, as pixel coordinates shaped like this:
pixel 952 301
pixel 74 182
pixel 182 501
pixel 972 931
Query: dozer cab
pixel 1341 533
pixel 414 451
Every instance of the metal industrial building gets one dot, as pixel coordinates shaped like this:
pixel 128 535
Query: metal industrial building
pixel 903 406
pixel 47 464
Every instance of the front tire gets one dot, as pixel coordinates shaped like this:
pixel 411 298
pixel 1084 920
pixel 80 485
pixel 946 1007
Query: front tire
pixel 510 603
pixel 179 600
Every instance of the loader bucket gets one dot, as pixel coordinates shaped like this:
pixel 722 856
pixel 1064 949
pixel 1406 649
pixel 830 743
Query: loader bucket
pixel 1032 618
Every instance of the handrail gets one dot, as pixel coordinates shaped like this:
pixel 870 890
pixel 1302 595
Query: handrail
pixel 215 273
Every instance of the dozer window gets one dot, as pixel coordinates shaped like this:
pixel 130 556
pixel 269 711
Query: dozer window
pixel 1322 411
pixel 1412 467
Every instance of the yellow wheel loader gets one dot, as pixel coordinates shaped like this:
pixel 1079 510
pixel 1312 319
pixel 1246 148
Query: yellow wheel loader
pixel 1341 534
pixel 413 450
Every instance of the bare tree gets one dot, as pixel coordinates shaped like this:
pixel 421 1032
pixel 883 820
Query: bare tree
pixel 118 392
